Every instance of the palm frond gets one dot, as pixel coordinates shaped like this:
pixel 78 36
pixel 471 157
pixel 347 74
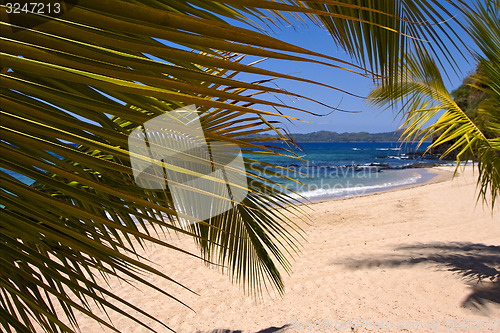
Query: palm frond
pixel 422 94
pixel 381 35
pixel 73 87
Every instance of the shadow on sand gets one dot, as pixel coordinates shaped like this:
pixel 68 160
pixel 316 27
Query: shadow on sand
pixel 271 329
pixel 478 264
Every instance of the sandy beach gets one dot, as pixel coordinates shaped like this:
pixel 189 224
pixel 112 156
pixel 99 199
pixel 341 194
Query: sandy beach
pixel 385 262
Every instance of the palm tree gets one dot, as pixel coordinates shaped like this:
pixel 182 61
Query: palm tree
pixel 473 134
pixel 75 84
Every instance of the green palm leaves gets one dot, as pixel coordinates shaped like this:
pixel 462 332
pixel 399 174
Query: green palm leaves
pixel 75 86
pixel 423 94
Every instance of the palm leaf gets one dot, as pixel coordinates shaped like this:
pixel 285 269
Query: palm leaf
pixel 68 106
pixel 423 94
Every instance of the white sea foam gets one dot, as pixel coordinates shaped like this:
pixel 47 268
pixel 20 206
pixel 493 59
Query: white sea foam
pixel 358 190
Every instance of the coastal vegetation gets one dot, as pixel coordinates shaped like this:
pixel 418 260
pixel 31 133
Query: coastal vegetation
pixel 76 84
pixel 470 94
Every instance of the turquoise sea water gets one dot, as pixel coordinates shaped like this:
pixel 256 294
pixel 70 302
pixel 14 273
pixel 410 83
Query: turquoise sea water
pixel 331 170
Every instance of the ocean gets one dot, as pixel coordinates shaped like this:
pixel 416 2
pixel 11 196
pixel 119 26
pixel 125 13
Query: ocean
pixel 337 169
pixel 333 170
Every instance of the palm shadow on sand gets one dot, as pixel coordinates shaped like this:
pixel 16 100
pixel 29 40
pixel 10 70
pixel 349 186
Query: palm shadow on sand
pixel 272 329
pixel 478 264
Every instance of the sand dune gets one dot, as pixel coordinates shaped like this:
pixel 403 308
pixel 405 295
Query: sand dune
pixel 387 262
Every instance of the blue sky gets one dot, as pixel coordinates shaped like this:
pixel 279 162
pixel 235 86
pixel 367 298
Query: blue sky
pixel 368 119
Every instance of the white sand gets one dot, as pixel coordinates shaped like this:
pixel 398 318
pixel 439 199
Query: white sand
pixel 352 269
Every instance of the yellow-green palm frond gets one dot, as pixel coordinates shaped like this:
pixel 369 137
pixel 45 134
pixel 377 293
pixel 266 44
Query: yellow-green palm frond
pixel 421 94
pixel 72 89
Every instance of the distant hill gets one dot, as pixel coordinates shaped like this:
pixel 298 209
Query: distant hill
pixel 327 136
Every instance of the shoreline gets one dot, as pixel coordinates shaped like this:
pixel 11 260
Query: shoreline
pixel 440 174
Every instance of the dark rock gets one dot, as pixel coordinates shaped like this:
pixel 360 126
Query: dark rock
pixel 421 165
pixel 422 154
